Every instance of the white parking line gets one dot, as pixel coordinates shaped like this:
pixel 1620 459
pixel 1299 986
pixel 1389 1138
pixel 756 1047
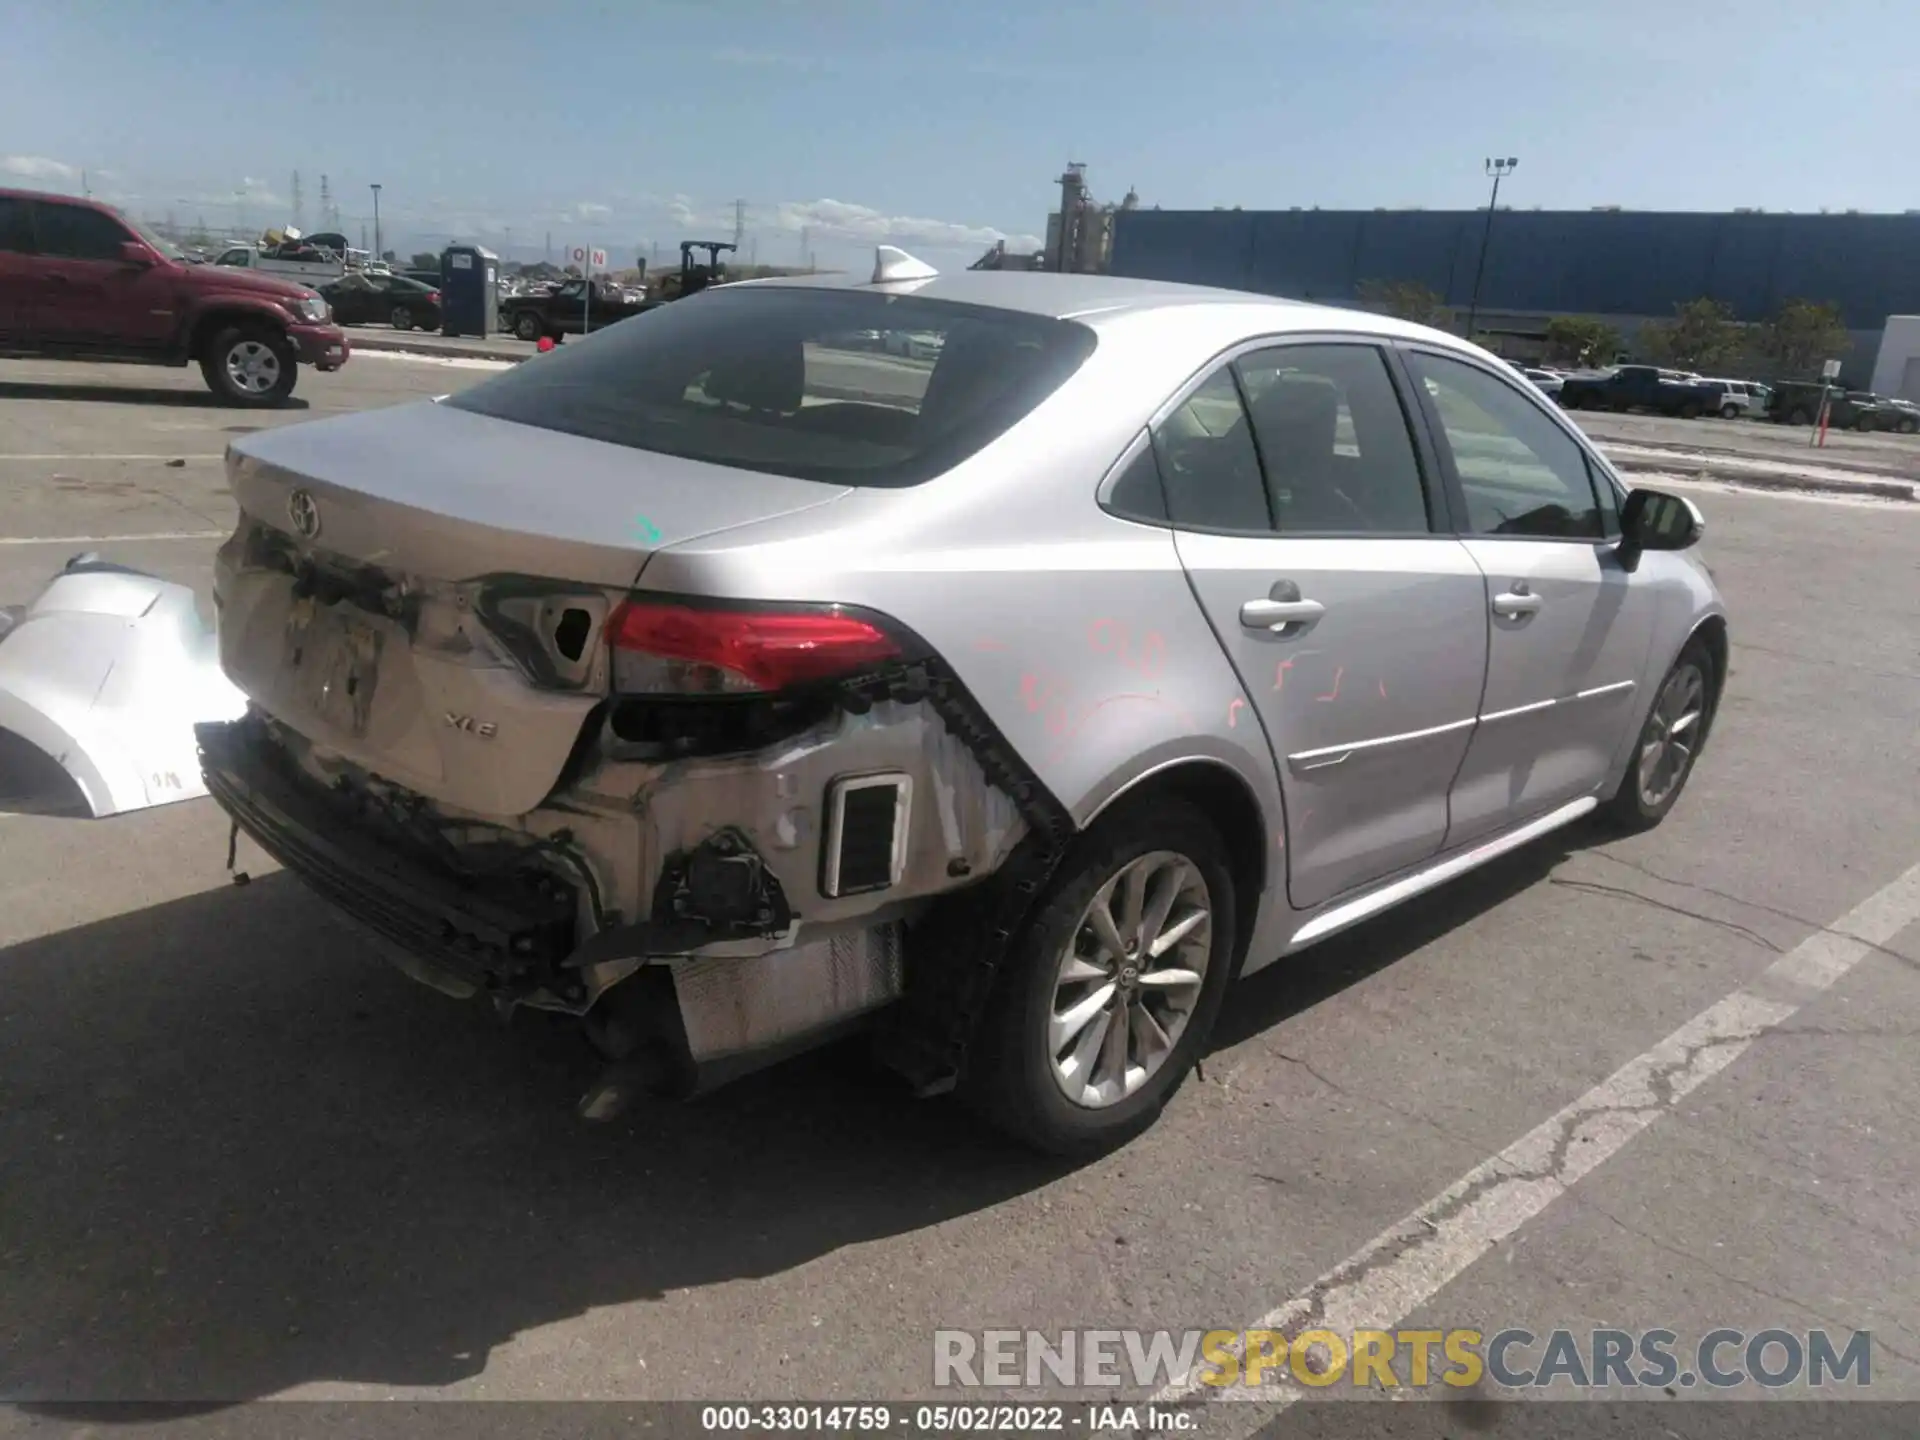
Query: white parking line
pixel 69 455
pixel 113 539
pixel 1381 1284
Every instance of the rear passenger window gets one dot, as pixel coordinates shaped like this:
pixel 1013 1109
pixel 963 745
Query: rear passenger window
pixel 1333 441
pixel 1136 494
pixel 16 232
pixel 1208 466
pixel 73 232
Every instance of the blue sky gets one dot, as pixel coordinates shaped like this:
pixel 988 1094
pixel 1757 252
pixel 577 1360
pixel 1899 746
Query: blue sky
pixel 941 126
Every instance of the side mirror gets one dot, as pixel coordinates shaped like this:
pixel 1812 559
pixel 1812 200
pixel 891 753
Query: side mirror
pixel 132 252
pixel 1656 520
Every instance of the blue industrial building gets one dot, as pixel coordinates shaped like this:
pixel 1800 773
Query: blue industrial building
pixel 1626 266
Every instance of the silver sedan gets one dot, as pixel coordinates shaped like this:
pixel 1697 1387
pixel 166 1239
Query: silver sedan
pixel 730 689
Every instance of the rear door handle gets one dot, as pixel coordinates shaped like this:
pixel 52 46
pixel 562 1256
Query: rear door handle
pixel 1277 615
pixel 1517 601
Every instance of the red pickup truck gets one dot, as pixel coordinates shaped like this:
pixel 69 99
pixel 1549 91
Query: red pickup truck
pixel 81 281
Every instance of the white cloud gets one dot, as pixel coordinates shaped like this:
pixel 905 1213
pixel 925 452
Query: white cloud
pixel 839 219
pixel 37 167
pixel 584 212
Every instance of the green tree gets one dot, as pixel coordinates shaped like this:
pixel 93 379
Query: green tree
pixel 1701 334
pixel 1404 300
pixel 424 260
pixel 1801 335
pixel 1581 340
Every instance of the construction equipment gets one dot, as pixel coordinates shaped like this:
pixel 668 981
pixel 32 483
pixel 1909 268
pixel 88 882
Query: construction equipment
pixel 695 277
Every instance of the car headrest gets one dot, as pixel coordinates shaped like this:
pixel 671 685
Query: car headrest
pixel 770 378
pixel 1297 418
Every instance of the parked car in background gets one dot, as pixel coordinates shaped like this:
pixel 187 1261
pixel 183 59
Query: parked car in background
pixel 361 299
pixel 1903 415
pixel 1741 398
pixel 1549 381
pixel 1641 387
pixel 309 264
pixel 1797 402
pixel 81 281
pixel 724 702
pixel 568 310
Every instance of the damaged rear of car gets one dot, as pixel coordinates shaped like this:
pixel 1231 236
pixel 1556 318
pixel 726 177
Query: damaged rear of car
pixel 526 706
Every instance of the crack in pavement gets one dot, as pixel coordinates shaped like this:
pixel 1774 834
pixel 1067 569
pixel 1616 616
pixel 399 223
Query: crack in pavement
pixel 1340 1300
pixel 1714 1270
pixel 1740 900
pixel 1597 888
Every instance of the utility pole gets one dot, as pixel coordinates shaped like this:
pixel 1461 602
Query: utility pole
pixel 299 204
pixel 85 188
pixel 739 221
pixel 1499 170
pixel 376 220
pixel 803 244
pixel 329 216
pixel 549 247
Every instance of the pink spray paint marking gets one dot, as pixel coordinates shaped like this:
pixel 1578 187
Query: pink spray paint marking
pixel 1233 713
pixel 1334 694
pixel 1383 688
pixel 1280 674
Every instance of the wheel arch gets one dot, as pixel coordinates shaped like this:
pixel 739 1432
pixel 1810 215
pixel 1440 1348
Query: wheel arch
pixel 1712 632
pixel 1220 792
pixel 219 315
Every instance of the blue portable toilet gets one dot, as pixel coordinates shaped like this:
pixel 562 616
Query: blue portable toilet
pixel 469 291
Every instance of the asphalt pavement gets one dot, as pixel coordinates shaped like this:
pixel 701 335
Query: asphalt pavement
pixel 241 1159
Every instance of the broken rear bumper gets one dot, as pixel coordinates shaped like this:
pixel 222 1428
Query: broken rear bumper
pixel 506 931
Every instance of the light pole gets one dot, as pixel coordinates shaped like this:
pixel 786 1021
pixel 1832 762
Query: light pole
pixel 1499 170
pixel 376 221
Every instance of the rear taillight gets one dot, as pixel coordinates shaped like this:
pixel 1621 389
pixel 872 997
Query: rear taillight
pixel 663 648
pixel 433 297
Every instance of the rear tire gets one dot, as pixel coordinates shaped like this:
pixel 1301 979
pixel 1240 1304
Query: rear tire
pixel 250 365
pixel 528 326
pixel 402 318
pixel 1729 412
pixel 1909 425
pixel 1668 745
pixel 1798 416
pixel 1690 410
pixel 1081 1090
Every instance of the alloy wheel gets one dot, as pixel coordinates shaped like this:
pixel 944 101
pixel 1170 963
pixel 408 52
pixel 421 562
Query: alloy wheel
pixel 1672 735
pixel 1129 979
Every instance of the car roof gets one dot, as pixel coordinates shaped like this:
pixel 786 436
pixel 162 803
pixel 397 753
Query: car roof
pixel 1102 298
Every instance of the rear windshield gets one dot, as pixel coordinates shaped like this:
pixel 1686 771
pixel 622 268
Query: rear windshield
pixel 847 387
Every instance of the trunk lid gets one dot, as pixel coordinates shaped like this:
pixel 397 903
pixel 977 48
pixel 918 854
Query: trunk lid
pixel 422 590
pixel 426 490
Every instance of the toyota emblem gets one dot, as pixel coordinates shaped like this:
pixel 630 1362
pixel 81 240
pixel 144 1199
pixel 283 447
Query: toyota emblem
pixel 305 514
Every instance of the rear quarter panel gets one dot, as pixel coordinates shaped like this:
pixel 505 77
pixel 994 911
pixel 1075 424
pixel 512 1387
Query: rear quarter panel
pixel 1075 630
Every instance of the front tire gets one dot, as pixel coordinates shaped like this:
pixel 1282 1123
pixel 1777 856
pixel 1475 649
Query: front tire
pixel 402 318
pixel 1729 412
pixel 1108 995
pixel 1669 743
pixel 250 365
pixel 528 326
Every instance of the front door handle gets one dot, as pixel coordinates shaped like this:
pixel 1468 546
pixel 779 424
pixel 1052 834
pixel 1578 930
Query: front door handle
pixel 1277 615
pixel 1520 600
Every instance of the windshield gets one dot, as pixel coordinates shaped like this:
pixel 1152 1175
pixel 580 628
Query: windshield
pixel 785 380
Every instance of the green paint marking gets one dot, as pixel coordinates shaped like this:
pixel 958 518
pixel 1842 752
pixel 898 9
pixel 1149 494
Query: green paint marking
pixel 647 530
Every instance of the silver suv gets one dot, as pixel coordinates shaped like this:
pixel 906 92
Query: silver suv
pixel 728 688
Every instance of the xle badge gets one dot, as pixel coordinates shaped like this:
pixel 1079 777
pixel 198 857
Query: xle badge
pixel 485 729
